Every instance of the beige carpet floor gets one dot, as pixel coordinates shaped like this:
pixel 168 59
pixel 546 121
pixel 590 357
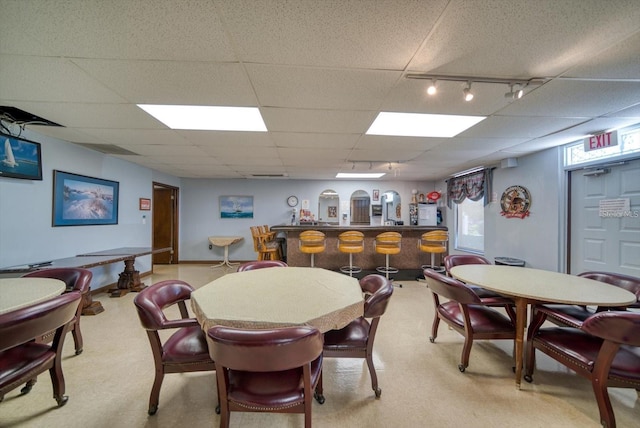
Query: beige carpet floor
pixel 109 383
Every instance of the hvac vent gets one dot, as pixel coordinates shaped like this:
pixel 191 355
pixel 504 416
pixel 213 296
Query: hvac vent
pixel 21 117
pixel 108 149
pixel 269 175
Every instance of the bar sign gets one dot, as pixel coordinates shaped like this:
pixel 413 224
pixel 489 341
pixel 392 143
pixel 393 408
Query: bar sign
pixel 600 141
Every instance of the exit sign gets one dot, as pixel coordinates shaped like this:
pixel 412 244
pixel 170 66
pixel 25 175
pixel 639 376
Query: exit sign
pixel 601 141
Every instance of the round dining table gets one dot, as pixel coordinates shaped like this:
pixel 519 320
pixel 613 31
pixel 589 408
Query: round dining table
pixel 16 293
pixel 279 297
pixel 528 286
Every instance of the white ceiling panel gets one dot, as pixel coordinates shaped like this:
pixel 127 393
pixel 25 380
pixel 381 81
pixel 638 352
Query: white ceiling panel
pixel 320 72
pixel 330 33
pixel 184 83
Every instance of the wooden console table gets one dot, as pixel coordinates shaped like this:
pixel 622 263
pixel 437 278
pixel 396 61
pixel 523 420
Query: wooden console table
pixel 129 279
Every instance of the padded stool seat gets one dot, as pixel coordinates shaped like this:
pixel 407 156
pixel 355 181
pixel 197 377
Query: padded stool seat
pixel 312 242
pixel 387 243
pixel 351 242
pixel 434 242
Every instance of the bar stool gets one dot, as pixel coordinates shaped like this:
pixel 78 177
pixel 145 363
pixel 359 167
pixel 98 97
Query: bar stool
pixel 312 242
pixel 434 242
pixel 351 242
pixel 387 243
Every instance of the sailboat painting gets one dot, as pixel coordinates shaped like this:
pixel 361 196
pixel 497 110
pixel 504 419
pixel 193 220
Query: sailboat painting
pixel 236 206
pixel 20 158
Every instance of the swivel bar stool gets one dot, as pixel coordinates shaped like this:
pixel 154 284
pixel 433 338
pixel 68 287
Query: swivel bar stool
pixel 351 242
pixel 312 242
pixel 434 242
pixel 387 243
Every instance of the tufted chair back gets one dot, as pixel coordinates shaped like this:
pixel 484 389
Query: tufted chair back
pixel 186 349
pixel 270 370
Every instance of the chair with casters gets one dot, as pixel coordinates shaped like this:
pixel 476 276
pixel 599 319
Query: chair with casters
pixel 351 242
pixel 265 247
pixel 312 242
pixel 465 313
pixel 260 264
pixel 574 315
pixel 356 339
pixel 23 357
pixel 76 279
pixel 488 297
pixel 387 243
pixel 434 242
pixel 186 349
pixel 604 350
pixel 267 370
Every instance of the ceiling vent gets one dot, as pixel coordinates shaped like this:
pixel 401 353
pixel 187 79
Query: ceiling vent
pixel 21 117
pixel 269 175
pixel 108 149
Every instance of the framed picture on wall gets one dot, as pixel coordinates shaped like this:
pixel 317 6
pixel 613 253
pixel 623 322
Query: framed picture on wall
pixel 376 195
pixel 236 206
pixel 332 212
pixel 20 158
pixel 79 200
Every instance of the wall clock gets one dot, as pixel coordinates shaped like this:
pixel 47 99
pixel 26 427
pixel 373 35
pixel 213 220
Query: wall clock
pixel 292 201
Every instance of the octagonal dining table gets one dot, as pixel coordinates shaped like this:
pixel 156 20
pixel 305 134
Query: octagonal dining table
pixel 279 297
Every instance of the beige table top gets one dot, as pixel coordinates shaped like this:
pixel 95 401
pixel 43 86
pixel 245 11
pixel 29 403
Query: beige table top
pixel 16 293
pixel 223 241
pixel 279 297
pixel 543 286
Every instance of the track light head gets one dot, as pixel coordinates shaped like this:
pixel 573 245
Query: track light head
pixel 468 95
pixel 515 92
pixel 431 90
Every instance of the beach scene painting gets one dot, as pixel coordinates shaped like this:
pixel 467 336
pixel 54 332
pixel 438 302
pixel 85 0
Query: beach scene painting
pixel 236 206
pixel 81 200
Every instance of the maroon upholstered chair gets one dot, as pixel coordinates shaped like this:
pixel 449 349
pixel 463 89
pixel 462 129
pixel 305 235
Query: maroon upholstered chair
pixel 488 297
pixel 356 339
pixel 604 350
pixel 574 315
pixel 260 264
pixel 22 358
pixel 465 313
pixel 271 370
pixel 76 279
pixel 186 349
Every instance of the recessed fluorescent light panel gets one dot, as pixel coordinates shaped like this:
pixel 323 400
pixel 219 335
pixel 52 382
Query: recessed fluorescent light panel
pixel 421 125
pixel 360 175
pixel 207 118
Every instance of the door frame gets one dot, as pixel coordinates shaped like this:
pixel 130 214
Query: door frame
pixel 174 214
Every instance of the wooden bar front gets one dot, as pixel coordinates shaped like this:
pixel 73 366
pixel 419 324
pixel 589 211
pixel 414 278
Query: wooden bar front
pixel 410 256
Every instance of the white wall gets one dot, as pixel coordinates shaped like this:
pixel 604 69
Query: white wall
pixel 26 234
pixel 539 238
pixel 200 216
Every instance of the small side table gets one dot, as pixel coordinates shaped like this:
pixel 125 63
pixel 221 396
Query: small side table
pixel 225 241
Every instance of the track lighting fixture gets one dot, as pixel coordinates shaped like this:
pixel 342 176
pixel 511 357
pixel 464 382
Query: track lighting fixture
pixel 468 95
pixel 516 86
pixel 515 92
pixel 431 90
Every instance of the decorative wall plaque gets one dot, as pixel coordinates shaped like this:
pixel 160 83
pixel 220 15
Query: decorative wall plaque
pixel 515 202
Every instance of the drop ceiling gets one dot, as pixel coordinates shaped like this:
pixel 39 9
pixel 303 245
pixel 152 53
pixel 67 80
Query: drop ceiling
pixel 320 72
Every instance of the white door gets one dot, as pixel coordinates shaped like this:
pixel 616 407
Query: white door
pixel 605 240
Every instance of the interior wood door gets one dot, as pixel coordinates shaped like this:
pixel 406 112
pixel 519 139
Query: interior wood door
pixel 605 240
pixel 165 223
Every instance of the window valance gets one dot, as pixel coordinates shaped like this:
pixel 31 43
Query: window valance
pixel 473 186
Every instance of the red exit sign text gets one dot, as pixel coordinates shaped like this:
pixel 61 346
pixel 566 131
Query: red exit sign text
pixel 600 141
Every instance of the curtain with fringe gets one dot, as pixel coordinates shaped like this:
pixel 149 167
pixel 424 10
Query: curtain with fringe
pixel 473 186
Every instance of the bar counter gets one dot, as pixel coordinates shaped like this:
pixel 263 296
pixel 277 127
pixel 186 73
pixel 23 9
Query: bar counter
pixel 410 256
